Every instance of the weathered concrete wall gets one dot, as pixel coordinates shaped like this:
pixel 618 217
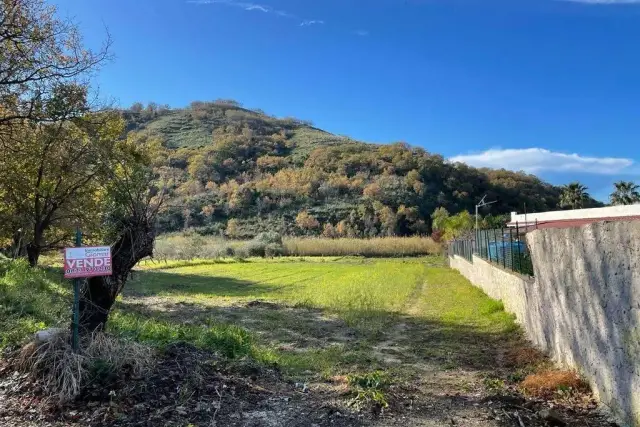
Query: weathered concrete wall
pixel 583 307
pixel 588 306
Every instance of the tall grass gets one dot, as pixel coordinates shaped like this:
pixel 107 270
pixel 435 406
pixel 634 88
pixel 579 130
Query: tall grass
pixel 194 246
pixel 375 247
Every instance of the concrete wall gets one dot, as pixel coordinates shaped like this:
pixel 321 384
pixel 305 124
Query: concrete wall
pixel 500 284
pixel 583 307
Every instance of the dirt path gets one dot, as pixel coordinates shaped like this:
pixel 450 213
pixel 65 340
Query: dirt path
pixel 435 383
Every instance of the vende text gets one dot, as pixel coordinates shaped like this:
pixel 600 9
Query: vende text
pixel 88 263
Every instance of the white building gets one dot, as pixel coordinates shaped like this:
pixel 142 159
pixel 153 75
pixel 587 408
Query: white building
pixel 574 217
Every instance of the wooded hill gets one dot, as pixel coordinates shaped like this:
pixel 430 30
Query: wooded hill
pixel 239 171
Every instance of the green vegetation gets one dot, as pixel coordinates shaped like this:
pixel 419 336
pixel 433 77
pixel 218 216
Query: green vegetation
pixel 30 300
pixel 335 311
pixel 190 245
pixel 319 316
pixel 625 193
pixel 67 163
pixel 574 196
pixel 369 387
pixel 239 172
pixel 374 247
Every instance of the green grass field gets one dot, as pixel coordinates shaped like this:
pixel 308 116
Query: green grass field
pixel 368 327
pixel 318 316
pixel 311 317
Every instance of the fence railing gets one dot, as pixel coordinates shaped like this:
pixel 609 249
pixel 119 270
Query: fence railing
pixel 504 246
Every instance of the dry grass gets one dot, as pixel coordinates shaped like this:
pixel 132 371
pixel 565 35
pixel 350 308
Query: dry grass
pixel 64 372
pixel 521 357
pixel 375 247
pixel 553 382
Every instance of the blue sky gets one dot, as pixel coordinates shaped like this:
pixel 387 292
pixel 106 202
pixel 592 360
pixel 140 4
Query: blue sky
pixel 547 86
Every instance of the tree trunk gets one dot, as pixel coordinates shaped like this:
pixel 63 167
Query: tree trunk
pixel 99 293
pixel 33 253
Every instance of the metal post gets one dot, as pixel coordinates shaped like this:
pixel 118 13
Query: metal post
pixel 486 237
pixel 504 251
pixel 495 244
pixel 476 219
pixel 519 250
pixel 76 298
pixel 511 247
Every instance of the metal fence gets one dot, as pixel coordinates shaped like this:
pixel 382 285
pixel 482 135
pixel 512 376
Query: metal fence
pixel 504 246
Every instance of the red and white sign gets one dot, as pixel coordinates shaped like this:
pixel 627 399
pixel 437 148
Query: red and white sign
pixel 87 261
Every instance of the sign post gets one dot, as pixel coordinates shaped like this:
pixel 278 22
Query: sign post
pixel 81 262
pixel 76 296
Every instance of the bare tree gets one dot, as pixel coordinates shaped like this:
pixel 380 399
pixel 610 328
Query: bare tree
pixel 39 54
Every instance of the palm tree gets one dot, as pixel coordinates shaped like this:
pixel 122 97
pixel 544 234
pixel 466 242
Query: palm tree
pixel 625 193
pixel 573 195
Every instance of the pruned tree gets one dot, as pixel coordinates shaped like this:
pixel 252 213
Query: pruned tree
pixel 129 212
pixel 625 193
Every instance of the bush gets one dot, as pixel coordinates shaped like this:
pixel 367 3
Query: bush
pixel 268 244
pixel 269 237
pixel 273 250
pixel 255 248
pixel 369 388
pixel 192 245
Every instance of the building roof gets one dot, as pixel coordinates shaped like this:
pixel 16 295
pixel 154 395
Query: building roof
pixel 574 217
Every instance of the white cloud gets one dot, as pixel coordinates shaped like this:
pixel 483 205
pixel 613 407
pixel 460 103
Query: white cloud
pixel 311 22
pixel 534 160
pixel 259 8
pixel 361 33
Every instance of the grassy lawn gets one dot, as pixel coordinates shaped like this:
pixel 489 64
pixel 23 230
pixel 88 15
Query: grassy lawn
pixel 312 317
pixel 318 317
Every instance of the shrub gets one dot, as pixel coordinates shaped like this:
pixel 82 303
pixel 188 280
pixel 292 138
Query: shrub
pixel 269 237
pixel 192 245
pixel 264 244
pixel 255 248
pixel 273 250
pixel 369 389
